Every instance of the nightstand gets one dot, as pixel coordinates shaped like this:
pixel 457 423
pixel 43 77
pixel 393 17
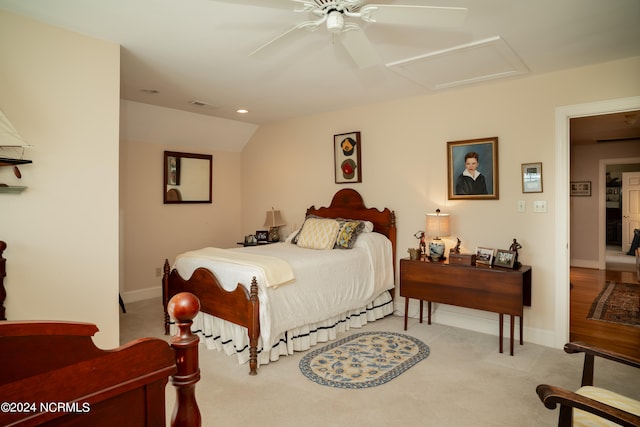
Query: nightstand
pixel 255 244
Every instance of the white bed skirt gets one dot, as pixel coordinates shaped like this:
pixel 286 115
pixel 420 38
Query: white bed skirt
pixel 232 339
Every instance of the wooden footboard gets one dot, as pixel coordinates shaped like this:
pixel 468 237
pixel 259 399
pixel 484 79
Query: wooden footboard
pixel 53 374
pixel 240 306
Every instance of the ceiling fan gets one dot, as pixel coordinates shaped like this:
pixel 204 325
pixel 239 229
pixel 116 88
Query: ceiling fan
pixel 338 16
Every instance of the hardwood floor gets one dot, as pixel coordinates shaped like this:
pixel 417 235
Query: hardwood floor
pixel 587 284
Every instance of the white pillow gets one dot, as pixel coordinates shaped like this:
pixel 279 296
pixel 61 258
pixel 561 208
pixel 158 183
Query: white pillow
pixel 292 235
pixel 318 233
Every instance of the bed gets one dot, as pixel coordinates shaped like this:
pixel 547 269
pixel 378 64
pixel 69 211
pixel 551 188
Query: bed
pixel 53 374
pixel 242 314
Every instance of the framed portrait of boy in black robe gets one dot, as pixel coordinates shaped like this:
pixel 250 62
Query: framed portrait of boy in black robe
pixel 472 167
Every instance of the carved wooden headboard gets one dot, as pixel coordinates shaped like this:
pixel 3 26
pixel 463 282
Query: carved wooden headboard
pixel 347 203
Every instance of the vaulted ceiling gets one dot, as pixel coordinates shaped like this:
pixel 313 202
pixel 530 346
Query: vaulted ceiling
pixel 175 52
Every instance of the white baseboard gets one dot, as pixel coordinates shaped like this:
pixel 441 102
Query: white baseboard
pixel 480 321
pixel 142 294
pixel 584 263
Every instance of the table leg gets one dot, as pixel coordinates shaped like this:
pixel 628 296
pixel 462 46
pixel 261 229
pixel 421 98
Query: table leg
pixel 511 317
pixel 406 311
pixel 421 309
pixel 429 313
pixel 521 329
pixel 501 319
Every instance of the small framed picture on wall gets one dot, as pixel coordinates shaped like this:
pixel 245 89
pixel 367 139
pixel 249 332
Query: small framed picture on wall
pixel 532 177
pixel 347 159
pixel 580 188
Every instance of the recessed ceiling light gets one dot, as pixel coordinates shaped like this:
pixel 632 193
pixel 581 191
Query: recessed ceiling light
pixel 242 111
pixel 150 91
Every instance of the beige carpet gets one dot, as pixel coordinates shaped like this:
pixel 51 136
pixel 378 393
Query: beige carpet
pixel 463 382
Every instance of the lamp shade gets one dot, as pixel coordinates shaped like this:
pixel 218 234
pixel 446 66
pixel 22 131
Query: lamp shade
pixel 438 224
pixel 274 219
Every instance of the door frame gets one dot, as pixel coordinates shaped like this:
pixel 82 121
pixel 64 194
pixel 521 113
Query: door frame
pixel 562 218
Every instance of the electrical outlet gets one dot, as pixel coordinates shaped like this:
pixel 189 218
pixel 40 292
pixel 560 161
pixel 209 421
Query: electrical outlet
pixel 158 271
pixel 521 205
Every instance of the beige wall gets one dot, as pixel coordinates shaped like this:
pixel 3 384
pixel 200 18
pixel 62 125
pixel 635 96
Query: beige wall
pixel 61 91
pixel 289 165
pixel 152 231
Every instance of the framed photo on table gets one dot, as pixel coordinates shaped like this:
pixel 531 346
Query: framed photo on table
pixel 472 169
pixel 532 177
pixel 504 259
pixel 262 236
pixel 347 159
pixel 484 255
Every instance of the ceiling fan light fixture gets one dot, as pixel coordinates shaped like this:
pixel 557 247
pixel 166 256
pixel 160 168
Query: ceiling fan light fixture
pixel 335 21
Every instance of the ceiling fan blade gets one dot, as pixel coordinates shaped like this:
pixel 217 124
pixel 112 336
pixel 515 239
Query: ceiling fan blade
pixel 281 39
pixel 275 4
pixel 414 15
pixel 359 48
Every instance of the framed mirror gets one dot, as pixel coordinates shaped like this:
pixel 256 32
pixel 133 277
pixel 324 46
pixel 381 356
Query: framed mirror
pixel 187 177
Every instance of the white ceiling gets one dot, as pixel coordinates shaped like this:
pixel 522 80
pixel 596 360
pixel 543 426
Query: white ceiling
pixel 197 49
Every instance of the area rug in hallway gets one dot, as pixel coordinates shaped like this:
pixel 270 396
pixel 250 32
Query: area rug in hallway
pixel 361 360
pixel 617 303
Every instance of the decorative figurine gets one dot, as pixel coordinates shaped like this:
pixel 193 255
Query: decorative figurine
pixel 514 248
pixel 456 249
pixel 423 245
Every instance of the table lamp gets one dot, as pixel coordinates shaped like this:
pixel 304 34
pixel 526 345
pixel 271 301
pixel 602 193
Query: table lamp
pixel 274 220
pixel 437 227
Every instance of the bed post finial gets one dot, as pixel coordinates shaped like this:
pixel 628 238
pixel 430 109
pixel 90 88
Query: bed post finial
pixel 165 294
pixel 183 307
pixel 254 330
pixel 3 273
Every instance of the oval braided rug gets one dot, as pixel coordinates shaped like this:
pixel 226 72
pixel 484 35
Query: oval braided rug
pixel 365 359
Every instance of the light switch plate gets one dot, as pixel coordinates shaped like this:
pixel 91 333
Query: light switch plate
pixel 540 206
pixel 521 205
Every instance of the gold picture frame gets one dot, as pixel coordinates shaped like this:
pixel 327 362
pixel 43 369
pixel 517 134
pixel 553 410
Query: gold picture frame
pixel 531 177
pixel 461 155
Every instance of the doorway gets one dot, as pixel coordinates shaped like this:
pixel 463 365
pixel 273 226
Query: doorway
pixel 562 239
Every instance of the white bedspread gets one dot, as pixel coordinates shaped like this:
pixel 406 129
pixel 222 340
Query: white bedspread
pixel 327 282
pixel 276 271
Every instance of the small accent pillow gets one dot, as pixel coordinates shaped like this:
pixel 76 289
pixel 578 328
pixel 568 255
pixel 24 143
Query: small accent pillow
pixel 368 225
pixel 318 233
pixel 348 233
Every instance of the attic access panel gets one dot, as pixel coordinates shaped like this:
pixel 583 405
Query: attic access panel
pixel 487 59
